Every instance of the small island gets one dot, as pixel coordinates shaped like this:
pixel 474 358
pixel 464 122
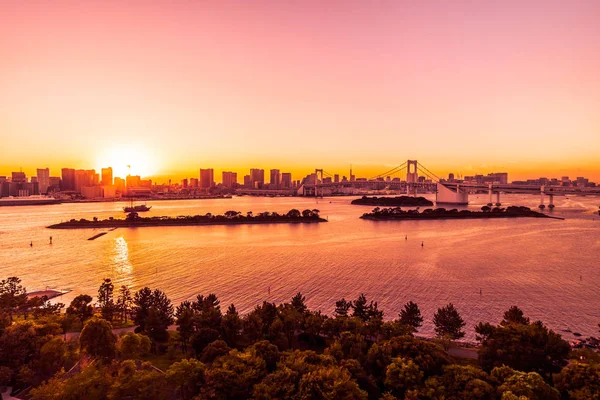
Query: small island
pixel 399 201
pixel 133 220
pixel 387 214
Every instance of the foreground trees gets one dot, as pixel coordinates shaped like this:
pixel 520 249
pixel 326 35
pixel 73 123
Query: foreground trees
pixel 288 351
pixel 521 345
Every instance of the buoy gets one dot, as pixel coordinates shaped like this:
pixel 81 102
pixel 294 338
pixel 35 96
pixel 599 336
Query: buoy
pixel 50 239
pixel 422 244
pixel 406 237
pixel 31 244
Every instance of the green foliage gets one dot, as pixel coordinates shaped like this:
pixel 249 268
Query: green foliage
pixel 514 315
pixel 401 375
pixel 186 377
pixel 138 383
pixel 153 313
pixel 97 339
pixel 105 299
pixel 411 316
pixel 448 323
pixel 528 348
pixel 579 381
pixel 528 384
pixel 12 296
pixel 133 346
pixel 80 307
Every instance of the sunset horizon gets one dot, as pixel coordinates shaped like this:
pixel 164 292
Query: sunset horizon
pixel 467 88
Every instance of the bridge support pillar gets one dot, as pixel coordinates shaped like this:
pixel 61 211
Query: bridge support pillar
pixel 542 206
pixel 490 193
pixel 551 201
pixel 498 204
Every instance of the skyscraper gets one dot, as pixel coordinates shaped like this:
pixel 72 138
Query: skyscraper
pixel 43 175
pixel 68 179
pixel 207 178
pixel 275 178
pixel 286 180
pixel 107 176
pixel 229 179
pixel 257 178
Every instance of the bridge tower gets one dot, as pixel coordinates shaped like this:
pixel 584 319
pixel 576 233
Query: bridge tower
pixel 317 172
pixel 412 177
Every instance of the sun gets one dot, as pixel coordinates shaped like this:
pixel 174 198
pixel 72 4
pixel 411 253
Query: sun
pixel 126 160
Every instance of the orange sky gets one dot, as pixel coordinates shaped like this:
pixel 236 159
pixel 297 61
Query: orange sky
pixel 172 86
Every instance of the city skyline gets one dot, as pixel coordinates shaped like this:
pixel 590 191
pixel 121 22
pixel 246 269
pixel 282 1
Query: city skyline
pixel 463 87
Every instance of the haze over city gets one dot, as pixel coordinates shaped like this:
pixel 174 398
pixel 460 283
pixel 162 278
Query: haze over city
pixel 169 87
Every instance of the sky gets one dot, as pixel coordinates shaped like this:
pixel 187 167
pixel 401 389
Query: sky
pixel 171 86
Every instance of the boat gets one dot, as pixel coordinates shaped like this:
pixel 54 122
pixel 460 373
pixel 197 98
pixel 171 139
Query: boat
pixel 140 208
pixel 136 209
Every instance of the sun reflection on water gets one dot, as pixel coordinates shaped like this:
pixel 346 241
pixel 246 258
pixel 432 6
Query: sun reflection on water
pixel 121 261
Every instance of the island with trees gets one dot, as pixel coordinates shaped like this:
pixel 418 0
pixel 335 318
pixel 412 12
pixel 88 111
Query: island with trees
pixel 138 345
pixel 398 201
pixel 396 213
pixel 133 220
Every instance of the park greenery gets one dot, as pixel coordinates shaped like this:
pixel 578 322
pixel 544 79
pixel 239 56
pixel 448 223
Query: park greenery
pixel 227 218
pixel 397 213
pixel 202 350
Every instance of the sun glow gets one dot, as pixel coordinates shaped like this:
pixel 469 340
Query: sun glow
pixel 127 159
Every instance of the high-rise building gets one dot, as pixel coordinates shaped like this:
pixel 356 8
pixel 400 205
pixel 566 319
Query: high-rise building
pixel 499 177
pixel 68 179
pixel 43 175
pixel 257 178
pixel 107 176
pixel 207 178
pixel 119 185
pixel 19 177
pixel 336 178
pixel 229 179
pixel 286 180
pixel 275 178
pixel 184 183
pixel 247 181
pixel 194 183
pixel 133 181
pixel 54 184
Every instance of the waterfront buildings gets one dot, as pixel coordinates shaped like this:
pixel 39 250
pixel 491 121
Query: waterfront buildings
pixel 107 176
pixel 43 178
pixel 229 179
pixel 207 178
pixel 275 180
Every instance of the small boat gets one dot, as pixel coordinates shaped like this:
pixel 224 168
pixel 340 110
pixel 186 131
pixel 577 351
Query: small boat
pixel 140 208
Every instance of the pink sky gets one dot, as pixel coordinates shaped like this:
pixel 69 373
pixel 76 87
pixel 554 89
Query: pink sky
pixel 464 87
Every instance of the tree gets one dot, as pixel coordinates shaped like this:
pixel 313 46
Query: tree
pixel 97 339
pixel 411 316
pixel 528 348
pixel 12 296
pixel 231 326
pixel 293 213
pixel 184 319
pixel 360 308
pixel 124 302
pixel 186 378
pixel 448 323
pixel 81 308
pixel 214 350
pixel 133 346
pixel 514 315
pixel 152 312
pixel 342 307
pixel 530 385
pixel 330 382
pixel 299 303
pixel 579 381
pixel 402 375
pixel 105 299
pixel 140 383
pixel 142 302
